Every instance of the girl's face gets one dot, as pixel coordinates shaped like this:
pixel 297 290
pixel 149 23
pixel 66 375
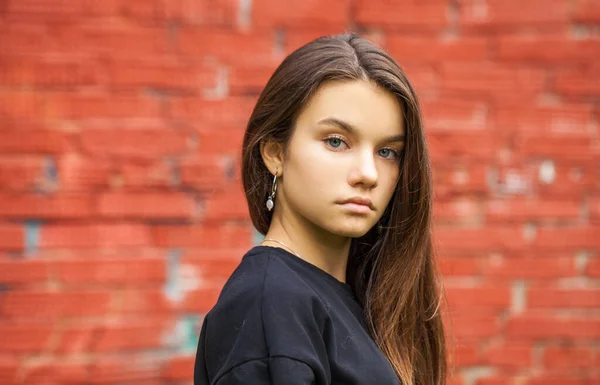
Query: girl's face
pixel 347 143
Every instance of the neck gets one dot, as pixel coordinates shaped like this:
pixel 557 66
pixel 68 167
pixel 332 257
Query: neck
pixel 327 251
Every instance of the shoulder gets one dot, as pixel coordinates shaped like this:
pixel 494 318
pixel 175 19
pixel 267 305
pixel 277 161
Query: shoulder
pixel 265 310
pixel 263 276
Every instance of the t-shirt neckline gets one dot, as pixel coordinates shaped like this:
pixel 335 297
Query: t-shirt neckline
pixel 326 275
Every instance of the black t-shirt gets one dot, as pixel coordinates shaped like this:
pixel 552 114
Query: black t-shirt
pixel 284 321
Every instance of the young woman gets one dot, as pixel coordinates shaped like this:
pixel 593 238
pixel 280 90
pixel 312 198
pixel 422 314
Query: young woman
pixel 343 289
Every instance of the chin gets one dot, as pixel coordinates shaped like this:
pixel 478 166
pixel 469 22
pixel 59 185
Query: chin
pixel 352 231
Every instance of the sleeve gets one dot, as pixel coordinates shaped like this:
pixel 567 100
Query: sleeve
pixel 269 371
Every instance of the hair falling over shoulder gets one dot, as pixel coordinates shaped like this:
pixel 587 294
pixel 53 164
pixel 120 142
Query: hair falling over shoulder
pixel 392 268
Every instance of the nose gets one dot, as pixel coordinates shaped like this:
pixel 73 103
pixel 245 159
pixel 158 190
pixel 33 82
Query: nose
pixel 364 170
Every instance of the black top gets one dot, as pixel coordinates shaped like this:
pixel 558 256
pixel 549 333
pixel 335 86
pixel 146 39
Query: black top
pixel 284 321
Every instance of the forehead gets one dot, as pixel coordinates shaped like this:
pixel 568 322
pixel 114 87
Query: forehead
pixel 362 104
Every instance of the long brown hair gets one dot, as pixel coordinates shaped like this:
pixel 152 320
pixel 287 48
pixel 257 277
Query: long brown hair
pixel 392 267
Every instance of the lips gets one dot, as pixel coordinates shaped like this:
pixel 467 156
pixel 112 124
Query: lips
pixel 359 200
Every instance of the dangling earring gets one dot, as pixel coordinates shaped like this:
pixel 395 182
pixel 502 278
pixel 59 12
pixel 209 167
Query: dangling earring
pixel 273 189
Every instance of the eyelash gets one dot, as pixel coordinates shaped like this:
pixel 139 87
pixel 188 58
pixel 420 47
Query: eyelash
pixel 396 152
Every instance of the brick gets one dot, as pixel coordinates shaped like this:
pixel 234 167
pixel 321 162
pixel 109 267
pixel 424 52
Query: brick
pixel 93 106
pixel 200 300
pixel 454 115
pixel 147 205
pixel 93 236
pixel 424 79
pixel 220 12
pixel 54 373
pixel 563 119
pixel 45 207
pixel 469 144
pixel 570 238
pixel 234 111
pixel 460 266
pixel 595 211
pixel 121 41
pixel 9 369
pixel 220 140
pixel 511 178
pixel 573 146
pixel 161 74
pixel 568 357
pixel 24 271
pixel 461 178
pixel 134 143
pixel 65 74
pixel 143 301
pixel 502 14
pixel 21 173
pixel 54 305
pixel 20 105
pixel 228 205
pixel 567 298
pixel 213 267
pixel 76 173
pixel 17 70
pixel 249 78
pixel 178 368
pixel 593 268
pixel 582 82
pixel 25 338
pixel 563 179
pixel 150 11
pixel 206 174
pixel 466 355
pixel 522 210
pixel 555 379
pixel 201 236
pixel 458 211
pixel 22 38
pixel 497 380
pixel 492 82
pixel 232 47
pixel 586 12
pixel 474 325
pixel 103 9
pixel 110 271
pixel 112 370
pixel 134 175
pixel 509 355
pixel 76 338
pixel 551 50
pixel 34 141
pixel 135 335
pixel 297 37
pixel 480 239
pixel 400 15
pixel 12 237
pixel 532 265
pixel 270 14
pixel 421 49
pixel 531 326
pixel 490 297
pixel 60 10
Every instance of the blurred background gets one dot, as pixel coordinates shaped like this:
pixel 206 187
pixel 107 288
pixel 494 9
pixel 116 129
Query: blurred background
pixel 121 207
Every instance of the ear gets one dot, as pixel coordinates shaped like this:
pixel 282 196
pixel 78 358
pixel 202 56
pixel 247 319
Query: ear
pixel 272 154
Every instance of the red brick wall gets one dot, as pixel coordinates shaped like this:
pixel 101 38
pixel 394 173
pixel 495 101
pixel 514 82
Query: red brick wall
pixel 121 208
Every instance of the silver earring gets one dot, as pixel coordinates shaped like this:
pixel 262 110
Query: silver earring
pixel 272 196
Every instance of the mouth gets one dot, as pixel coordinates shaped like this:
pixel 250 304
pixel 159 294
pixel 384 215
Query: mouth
pixel 356 207
pixel 358 201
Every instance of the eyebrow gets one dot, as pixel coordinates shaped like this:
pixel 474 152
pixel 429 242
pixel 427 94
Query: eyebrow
pixel 352 130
